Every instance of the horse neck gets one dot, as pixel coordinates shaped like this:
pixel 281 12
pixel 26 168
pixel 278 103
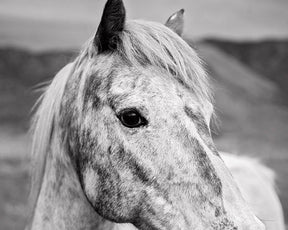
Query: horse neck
pixel 61 203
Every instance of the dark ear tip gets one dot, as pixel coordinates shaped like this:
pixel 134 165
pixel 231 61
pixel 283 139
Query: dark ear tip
pixel 114 2
pixel 111 25
pixel 176 22
pixel 182 11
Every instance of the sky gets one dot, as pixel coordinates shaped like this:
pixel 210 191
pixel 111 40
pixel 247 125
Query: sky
pixel 62 24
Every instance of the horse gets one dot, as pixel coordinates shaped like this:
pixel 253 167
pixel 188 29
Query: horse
pixel 121 137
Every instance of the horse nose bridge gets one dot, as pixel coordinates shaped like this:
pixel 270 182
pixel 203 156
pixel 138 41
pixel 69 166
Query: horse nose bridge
pixel 218 183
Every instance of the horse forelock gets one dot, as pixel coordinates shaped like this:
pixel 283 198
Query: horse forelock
pixel 145 43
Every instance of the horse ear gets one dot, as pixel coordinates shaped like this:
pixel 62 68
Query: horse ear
pixel 176 22
pixel 111 25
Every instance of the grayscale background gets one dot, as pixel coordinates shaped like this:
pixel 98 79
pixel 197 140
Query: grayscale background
pixel 243 42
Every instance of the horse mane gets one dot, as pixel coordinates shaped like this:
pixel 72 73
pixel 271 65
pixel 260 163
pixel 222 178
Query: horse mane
pixel 145 42
pixel 42 127
pixel 142 43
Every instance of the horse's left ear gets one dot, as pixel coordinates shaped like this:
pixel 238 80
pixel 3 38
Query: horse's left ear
pixel 176 22
pixel 111 25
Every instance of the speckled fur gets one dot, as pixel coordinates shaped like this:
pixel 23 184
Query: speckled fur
pixel 166 175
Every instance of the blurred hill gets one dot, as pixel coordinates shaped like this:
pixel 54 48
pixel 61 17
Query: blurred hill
pixel 20 73
pixel 253 118
pixel 268 58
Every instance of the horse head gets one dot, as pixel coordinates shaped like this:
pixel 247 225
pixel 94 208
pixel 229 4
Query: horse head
pixel 135 114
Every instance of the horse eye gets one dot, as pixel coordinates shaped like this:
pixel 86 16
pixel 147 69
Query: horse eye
pixel 131 118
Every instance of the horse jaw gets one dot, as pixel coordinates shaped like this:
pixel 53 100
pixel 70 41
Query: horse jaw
pixel 62 203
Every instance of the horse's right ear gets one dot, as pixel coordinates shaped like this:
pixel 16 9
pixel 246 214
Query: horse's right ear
pixel 176 22
pixel 111 25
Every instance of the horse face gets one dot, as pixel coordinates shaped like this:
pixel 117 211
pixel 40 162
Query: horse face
pixel 146 155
